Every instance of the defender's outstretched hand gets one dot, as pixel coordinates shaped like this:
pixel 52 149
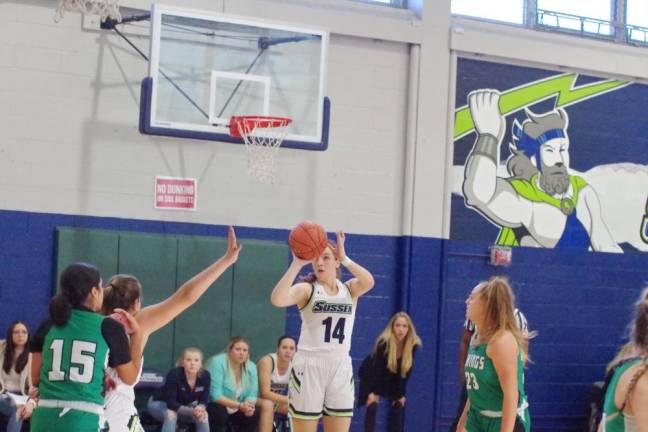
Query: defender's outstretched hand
pixel 233 248
pixel 154 317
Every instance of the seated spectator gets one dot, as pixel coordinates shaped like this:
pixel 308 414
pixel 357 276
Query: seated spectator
pixel 384 373
pixel 234 389
pixel 184 395
pixel 15 379
pixel 274 374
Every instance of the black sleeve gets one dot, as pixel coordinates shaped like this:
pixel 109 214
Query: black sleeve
pixel 403 382
pixel 205 378
pixel 376 368
pixel 37 341
pixel 115 335
pixel 171 387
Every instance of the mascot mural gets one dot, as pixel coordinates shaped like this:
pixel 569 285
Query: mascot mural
pixel 517 175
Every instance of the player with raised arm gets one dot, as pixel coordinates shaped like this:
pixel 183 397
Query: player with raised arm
pixel 125 292
pixel 322 376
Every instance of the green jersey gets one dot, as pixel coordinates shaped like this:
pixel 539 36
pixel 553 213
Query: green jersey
pixel 614 418
pixel 483 386
pixel 74 358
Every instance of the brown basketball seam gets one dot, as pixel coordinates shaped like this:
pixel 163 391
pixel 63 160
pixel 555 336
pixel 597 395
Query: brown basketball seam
pixel 308 234
pixel 303 249
pixel 313 241
pixel 325 239
pixel 294 241
pixel 299 248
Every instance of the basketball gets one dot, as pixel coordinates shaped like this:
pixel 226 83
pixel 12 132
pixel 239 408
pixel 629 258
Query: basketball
pixel 308 240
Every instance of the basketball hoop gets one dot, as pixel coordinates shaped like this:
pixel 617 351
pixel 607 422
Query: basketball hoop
pixel 104 8
pixel 262 136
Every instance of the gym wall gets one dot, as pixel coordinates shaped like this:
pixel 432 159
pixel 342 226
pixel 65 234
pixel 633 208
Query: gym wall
pixel 71 156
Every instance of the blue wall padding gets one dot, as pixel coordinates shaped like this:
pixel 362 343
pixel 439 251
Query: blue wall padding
pixel 579 302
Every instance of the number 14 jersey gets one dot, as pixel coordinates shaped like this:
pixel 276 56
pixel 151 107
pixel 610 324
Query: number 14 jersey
pixel 327 320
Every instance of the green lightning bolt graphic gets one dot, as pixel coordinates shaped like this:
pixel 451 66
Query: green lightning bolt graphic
pixel 517 98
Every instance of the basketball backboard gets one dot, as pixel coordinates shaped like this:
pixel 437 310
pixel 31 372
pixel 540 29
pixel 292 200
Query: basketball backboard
pixel 206 68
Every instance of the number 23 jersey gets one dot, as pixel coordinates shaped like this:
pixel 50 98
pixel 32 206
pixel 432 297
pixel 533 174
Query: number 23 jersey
pixel 482 382
pixel 327 320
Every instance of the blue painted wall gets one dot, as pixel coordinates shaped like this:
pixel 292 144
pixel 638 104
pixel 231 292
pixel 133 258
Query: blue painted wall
pixel 27 266
pixel 578 302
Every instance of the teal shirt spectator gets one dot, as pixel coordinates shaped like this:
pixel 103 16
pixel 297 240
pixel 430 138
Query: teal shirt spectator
pixel 224 383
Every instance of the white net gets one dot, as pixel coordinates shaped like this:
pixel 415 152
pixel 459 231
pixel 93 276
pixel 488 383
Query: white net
pixel 262 138
pixel 104 8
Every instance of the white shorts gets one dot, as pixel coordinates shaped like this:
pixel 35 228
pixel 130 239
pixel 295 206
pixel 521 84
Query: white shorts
pixel 120 414
pixel 320 384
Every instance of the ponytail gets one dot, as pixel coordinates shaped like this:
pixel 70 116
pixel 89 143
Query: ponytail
pixel 640 326
pixel 121 292
pixel 75 284
pixel 60 310
pixel 640 339
pixel 635 379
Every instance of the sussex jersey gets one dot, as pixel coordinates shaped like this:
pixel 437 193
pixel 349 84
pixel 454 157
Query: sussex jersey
pixel 483 386
pixel 122 389
pixel 327 321
pixel 614 419
pixel 278 382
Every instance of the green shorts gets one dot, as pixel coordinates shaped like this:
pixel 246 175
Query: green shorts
pixel 476 422
pixel 50 420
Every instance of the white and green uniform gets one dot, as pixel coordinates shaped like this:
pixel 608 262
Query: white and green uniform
pixel 614 420
pixel 278 382
pixel 119 406
pixel 486 395
pixel 322 375
pixel 71 377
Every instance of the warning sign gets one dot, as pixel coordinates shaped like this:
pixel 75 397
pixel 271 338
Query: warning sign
pixel 175 193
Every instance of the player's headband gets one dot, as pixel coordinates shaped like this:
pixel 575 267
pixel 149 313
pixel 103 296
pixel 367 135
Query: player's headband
pixel 531 146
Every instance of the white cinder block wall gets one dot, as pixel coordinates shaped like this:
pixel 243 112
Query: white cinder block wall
pixel 70 101
pixel 70 144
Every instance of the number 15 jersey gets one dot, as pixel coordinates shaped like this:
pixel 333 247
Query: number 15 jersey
pixel 74 356
pixel 327 320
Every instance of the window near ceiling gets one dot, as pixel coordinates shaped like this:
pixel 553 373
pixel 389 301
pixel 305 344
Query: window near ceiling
pixel 511 11
pixel 592 17
pixel 395 3
pixel 637 20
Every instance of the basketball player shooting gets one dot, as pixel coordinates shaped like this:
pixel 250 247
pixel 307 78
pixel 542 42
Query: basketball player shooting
pixel 321 381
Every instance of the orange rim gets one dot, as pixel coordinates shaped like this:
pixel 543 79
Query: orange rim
pixel 239 125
